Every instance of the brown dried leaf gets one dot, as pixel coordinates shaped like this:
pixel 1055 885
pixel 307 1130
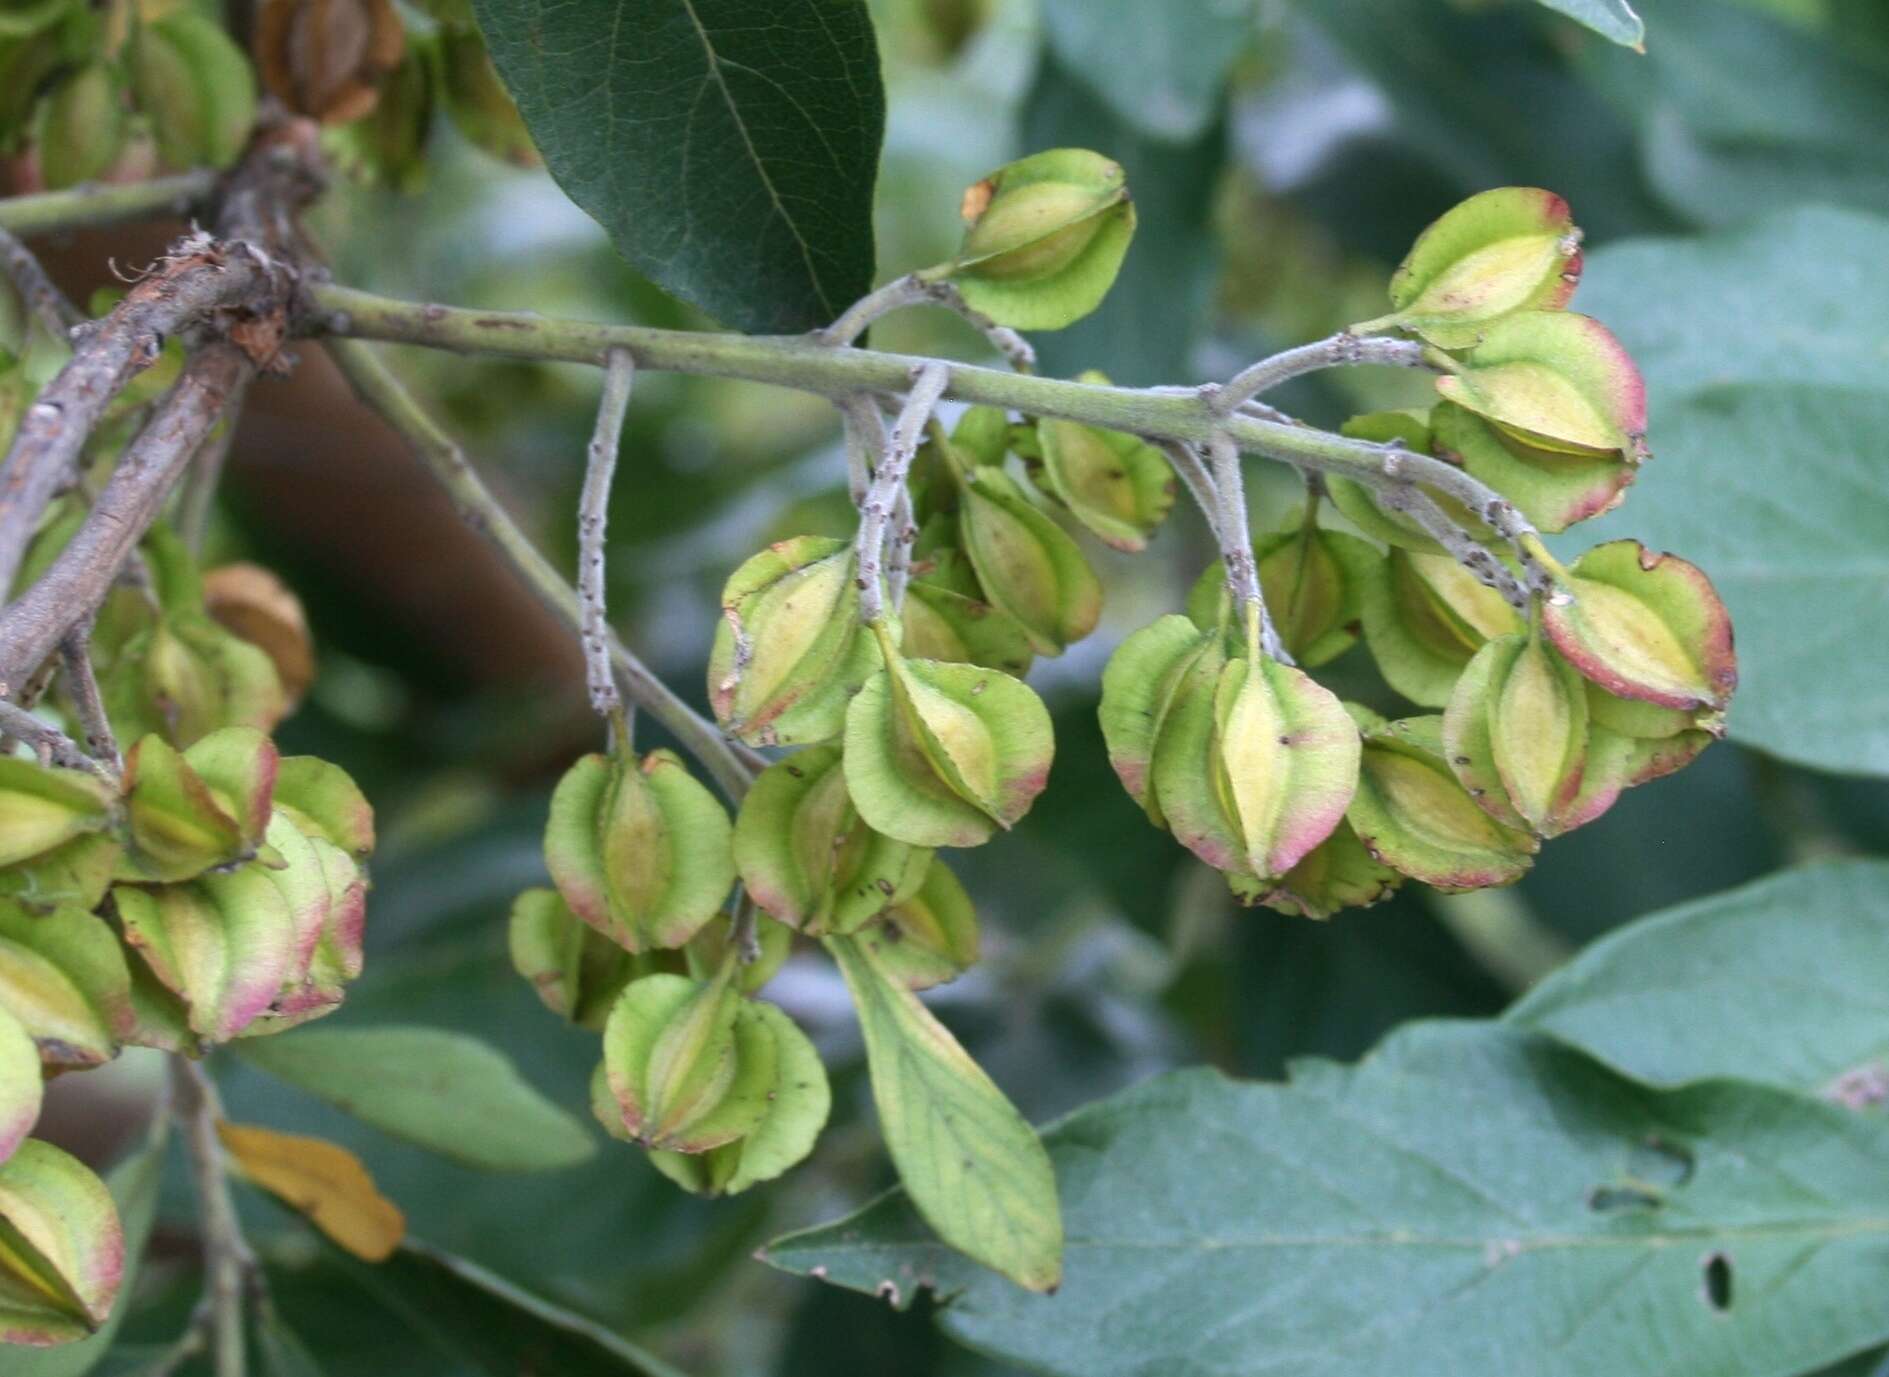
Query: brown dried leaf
pixel 325 1182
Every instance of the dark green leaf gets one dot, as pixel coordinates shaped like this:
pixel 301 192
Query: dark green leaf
pixel 1613 19
pixel 729 147
pixel 1785 982
pixel 1161 68
pixel 1469 1198
pixel 447 1092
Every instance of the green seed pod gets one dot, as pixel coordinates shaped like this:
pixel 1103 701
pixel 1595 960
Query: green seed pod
pixel 1313 581
pixel 931 937
pixel 43 808
pixel 222 944
pixel 477 100
pixel 1645 721
pixel 1044 239
pixel 640 850
pixel 22 1085
pixel 1645 626
pixel 807 858
pixel 1509 249
pixel 387 145
pixel 1425 617
pixel 25 63
pixel 1516 734
pixel 1027 565
pixel 1254 764
pixel 796 1111
pixel 196 86
pixel 576 970
pixel 1338 873
pixel 1411 813
pixel 944 624
pixel 327 896
pixel 982 434
pixel 323 801
pixel 789 651
pixel 689 1064
pixel 64 1258
pixel 1412 430
pixel 186 676
pixel 82 125
pixel 63 977
pixel 1553 488
pixel 181 826
pixel 1138 690
pixel 1555 381
pixel 942 754
pixel 710 948
pixel 1119 486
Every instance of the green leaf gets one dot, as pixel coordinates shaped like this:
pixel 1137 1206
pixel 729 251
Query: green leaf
pixel 488 1324
pixel 1470 1197
pixel 973 1166
pixel 134 1188
pixel 729 147
pixel 447 1092
pixel 1799 955
pixel 1161 68
pixel 1613 19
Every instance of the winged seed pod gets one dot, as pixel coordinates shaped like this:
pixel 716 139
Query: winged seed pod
pixel 196 86
pixel 576 970
pixel 1119 486
pixel 1556 381
pixel 1553 488
pixel 931 937
pixel 796 1110
pixel 194 810
pixel 808 859
pixel 688 1063
pixel 327 58
pixel 1338 873
pixel 185 676
pixel 1044 237
pixel 1253 763
pixel 1027 565
pixel 1505 250
pixel 1516 734
pixel 22 1086
pixel 946 618
pixel 1313 581
pixel 640 850
pixel 43 808
pixel 1645 626
pixel 222 945
pixel 940 754
pixel 326 892
pixel 789 651
pixel 1138 690
pixel 82 127
pixel 1425 617
pixel 64 980
pixel 387 145
pixel 1411 813
pixel 65 1248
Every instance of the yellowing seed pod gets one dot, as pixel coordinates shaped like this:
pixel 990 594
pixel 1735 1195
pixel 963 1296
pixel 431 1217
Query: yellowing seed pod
pixel 1119 486
pixel 1555 381
pixel 931 937
pixel 640 849
pixel 1509 249
pixel 806 856
pixel 63 978
pixel 1425 617
pixel 789 651
pixel 1044 238
pixel 941 754
pixel 1516 733
pixel 65 1249
pixel 1338 873
pixel 1026 564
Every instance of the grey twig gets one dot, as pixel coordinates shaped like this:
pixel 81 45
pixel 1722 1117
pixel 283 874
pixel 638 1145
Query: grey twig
pixel 197 493
pixel 377 386
pixel 928 385
pixel 227 1259
pixel 1192 470
pixel 82 688
pixel 592 515
pixel 1462 547
pixel 911 290
pixel 42 297
pixel 1334 351
pixel 48 742
pixel 1236 543
pixel 864 431
pixel 77 581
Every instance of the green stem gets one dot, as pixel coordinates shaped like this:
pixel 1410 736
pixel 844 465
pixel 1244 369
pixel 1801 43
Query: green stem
pixel 803 363
pixel 95 205
pixel 380 389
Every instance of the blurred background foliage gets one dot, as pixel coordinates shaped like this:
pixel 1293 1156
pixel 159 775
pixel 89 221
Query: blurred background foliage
pixel 1269 214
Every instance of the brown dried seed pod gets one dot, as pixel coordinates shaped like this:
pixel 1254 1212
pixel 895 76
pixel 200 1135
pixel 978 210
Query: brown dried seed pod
pixel 327 58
